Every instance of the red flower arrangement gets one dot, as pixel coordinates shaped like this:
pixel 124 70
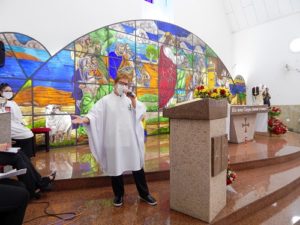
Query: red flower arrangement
pixel 231 176
pixel 275 126
pixel 274 111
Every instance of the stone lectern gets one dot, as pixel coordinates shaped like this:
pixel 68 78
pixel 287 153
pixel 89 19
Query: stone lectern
pixel 5 138
pixel 198 157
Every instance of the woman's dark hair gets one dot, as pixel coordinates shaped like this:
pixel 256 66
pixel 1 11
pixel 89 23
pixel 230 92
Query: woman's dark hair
pixel 3 85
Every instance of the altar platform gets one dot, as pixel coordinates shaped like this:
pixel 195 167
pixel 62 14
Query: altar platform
pixel 267 193
pixel 78 162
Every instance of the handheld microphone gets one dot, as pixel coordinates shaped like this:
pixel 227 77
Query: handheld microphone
pixel 130 94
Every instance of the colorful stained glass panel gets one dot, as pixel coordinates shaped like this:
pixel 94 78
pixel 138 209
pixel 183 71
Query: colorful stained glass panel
pixel 91 69
pixel 59 68
pixel 199 62
pixel 146 51
pixel 199 46
pixel 146 75
pixel 184 59
pixel 95 42
pixel 53 93
pixel 124 27
pixel 147 29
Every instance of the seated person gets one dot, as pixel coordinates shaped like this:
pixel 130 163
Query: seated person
pixel 19 133
pixel 14 199
pixel 32 180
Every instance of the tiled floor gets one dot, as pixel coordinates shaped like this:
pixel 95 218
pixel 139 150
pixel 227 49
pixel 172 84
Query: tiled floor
pixel 78 162
pixel 94 205
pixel 96 208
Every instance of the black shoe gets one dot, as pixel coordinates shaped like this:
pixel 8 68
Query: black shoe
pixel 149 199
pixel 48 187
pixel 118 201
pixel 36 195
pixel 52 176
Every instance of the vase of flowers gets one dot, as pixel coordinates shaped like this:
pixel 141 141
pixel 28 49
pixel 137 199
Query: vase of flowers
pixel 275 126
pixel 203 91
pixel 231 176
pixel 274 111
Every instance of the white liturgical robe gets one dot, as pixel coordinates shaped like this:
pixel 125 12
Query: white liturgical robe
pixel 116 135
pixel 18 129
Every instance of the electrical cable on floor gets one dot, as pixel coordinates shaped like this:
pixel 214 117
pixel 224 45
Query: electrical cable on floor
pixel 70 222
pixel 60 216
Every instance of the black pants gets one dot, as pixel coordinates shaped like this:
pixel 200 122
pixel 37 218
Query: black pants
pixel 140 182
pixel 26 146
pixel 14 199
pixel 32 179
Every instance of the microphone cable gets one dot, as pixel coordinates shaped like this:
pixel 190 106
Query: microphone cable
pixel 64 216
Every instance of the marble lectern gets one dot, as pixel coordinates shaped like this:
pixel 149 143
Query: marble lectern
pixel 5 138
pixel 198 157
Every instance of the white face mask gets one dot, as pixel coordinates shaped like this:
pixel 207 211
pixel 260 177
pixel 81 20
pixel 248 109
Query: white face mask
pixel 8 95
pixel 121 89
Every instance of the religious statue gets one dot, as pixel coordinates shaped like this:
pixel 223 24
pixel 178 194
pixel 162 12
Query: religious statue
pixel 257 95
pixel 266 97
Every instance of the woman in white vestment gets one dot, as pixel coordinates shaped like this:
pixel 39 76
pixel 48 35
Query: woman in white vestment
pixel 116 138
pixel 19 133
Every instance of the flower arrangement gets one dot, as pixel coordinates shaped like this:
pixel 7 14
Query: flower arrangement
pixel 231 176
pixel 275 126
pixel 215 93
pixel 274 111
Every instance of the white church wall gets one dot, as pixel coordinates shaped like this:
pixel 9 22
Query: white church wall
pixel 260 55
pixel 55 23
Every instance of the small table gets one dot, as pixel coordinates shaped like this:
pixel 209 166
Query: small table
pixel 42 130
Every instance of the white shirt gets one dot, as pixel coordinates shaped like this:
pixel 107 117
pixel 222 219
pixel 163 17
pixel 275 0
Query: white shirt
pixel 18 129
pixel 116 136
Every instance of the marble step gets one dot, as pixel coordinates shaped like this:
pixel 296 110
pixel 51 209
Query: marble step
pixel 257 188
pixel 284 211
pixel 254 189
pixel 264 151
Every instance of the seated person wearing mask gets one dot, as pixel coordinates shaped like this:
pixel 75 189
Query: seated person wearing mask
pixel 19 133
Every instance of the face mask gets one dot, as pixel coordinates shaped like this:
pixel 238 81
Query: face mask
pixel 56 111
pixel 7 95
pixel 121 89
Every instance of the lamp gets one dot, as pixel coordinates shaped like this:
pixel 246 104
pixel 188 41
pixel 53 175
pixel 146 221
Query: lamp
pixel 295 45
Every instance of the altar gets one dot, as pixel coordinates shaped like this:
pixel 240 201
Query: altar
pixel 245 121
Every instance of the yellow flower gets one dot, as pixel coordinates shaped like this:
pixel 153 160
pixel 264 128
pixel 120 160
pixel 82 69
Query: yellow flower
pixel 215 93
